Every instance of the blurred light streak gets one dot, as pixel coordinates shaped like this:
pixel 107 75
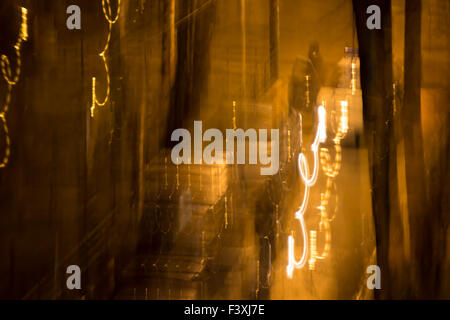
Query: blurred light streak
pixel 303 165
pixel 308 100
pixel 106 5
pixel 313 249
pixel 353 78
pixel 234 115
pixel 331 171
pixel 289 146
pixel 12 81
pixel 226 213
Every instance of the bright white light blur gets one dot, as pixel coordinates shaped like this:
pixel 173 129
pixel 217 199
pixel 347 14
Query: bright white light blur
pixel 303 166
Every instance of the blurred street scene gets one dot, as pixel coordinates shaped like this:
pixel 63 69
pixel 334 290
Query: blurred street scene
pixel 93 184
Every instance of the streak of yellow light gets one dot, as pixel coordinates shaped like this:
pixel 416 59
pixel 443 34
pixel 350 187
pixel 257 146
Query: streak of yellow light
pixel 331 170
pixel 12 81
pixel 106 5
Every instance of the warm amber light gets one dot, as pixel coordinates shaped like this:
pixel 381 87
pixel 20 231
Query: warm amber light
pixel 12 81
pixel 107 12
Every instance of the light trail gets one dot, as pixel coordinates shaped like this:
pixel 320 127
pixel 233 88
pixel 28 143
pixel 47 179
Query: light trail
pixel 12 81
pixel 106 5
pixel 303 165
pixel 331 170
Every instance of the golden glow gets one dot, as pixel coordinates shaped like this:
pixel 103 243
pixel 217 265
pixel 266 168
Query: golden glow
pixel 200 179
pixel 308 181
pixel 226 213
pixel 324 225
pixel 313 249
pixel 307 78
pixel 331 170
pixel 277 222
pixel 394 97
pixel 289 146
pixel 203 261
pixel 234 115
pixel 108 15
pixel 12 81
pixel 321 137
pixel 353 78
pixel 189 176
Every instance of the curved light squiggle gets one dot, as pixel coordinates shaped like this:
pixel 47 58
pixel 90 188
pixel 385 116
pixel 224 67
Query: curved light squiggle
pixel 321 137
pixel 106 5
pixel 331 170
pixel 309 181
pixel 12 81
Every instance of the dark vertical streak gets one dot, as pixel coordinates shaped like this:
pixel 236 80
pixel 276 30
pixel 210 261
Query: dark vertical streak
pixel 375 47
pixel 191 75
pixel 274 21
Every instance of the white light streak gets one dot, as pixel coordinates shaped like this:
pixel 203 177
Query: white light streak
pixel 331 171
pixel 308 181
